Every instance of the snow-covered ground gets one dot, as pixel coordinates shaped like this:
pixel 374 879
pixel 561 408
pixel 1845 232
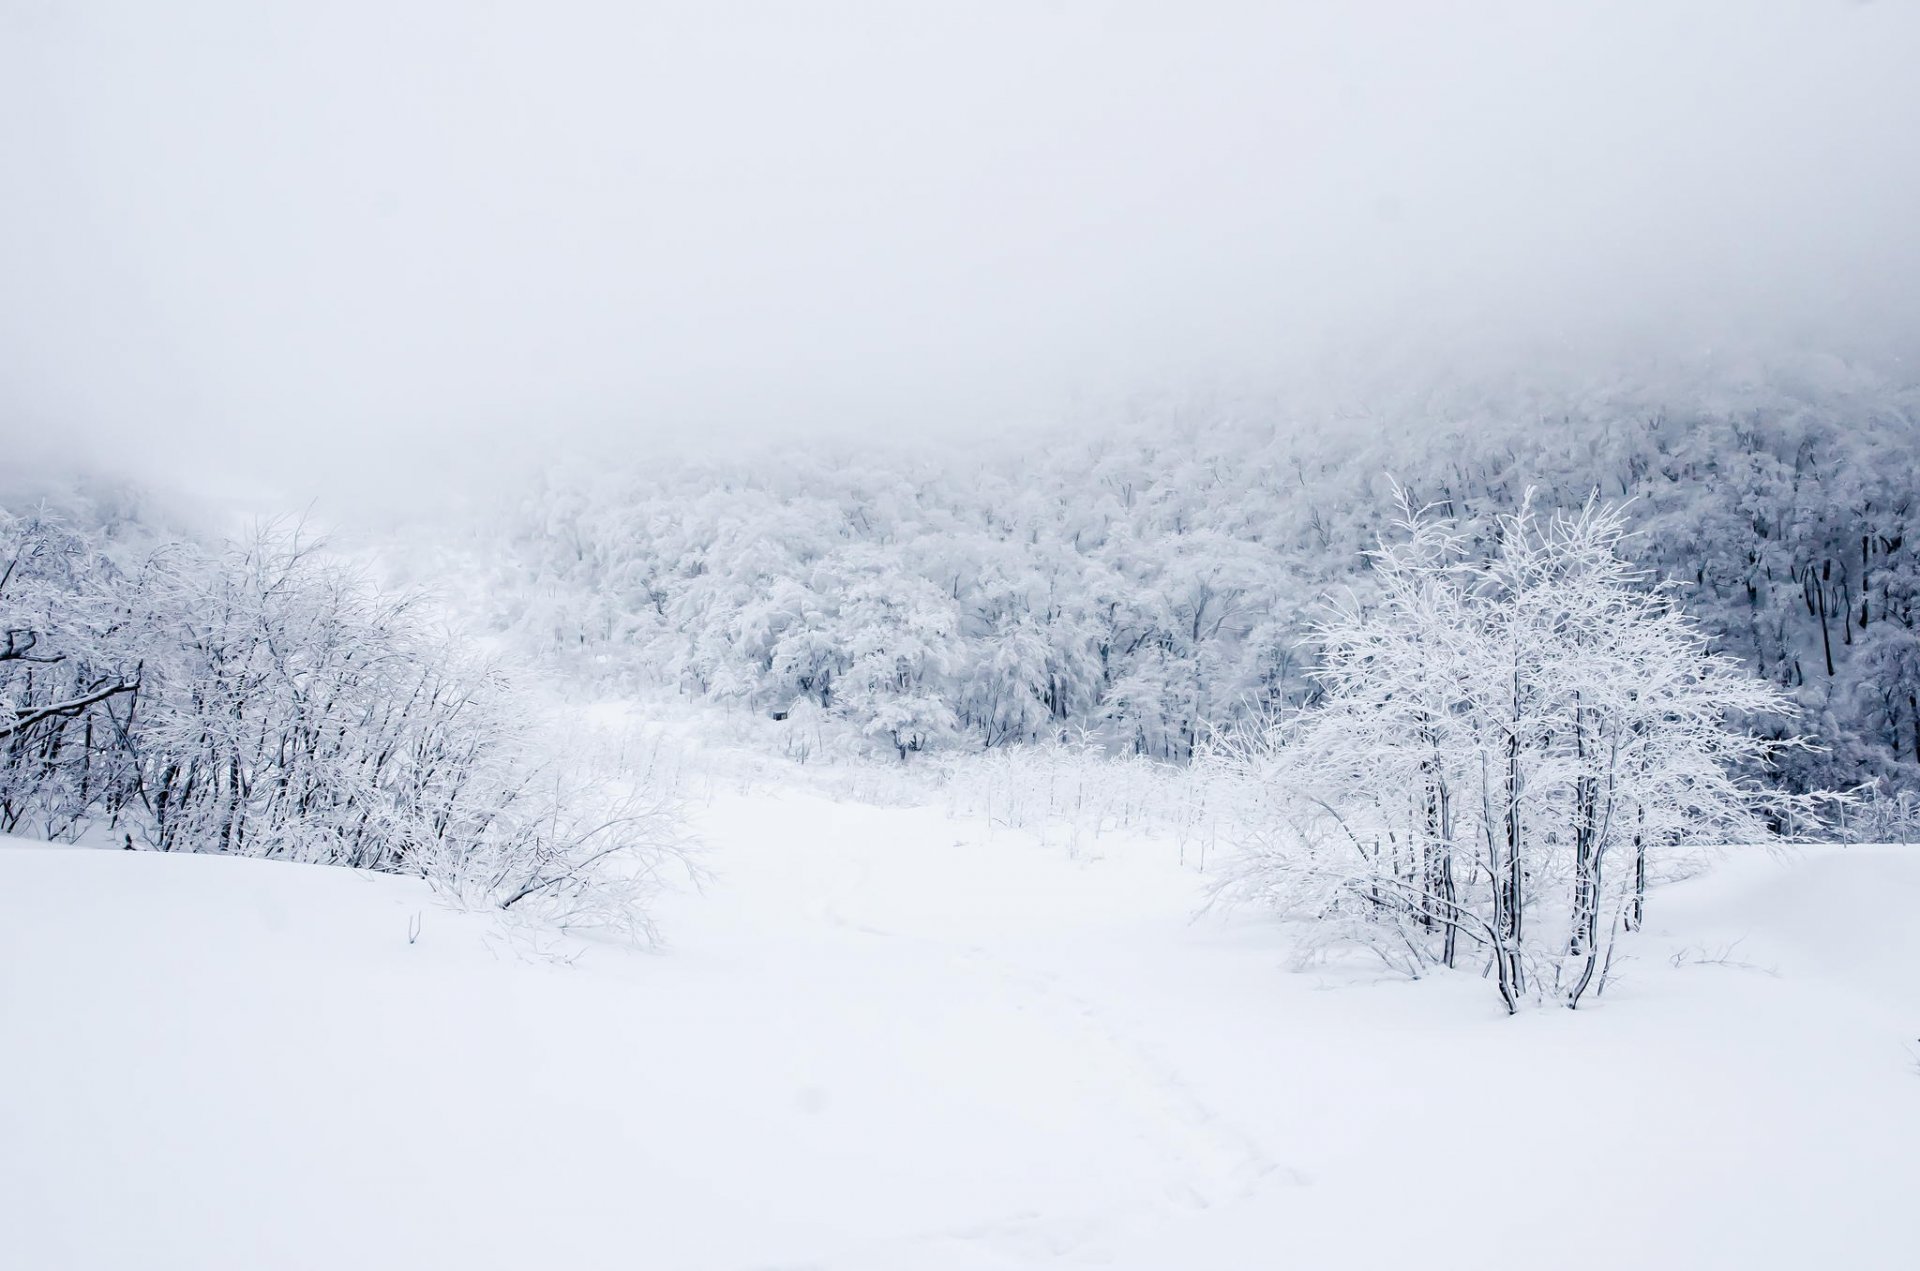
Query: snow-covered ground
pixel 886 1040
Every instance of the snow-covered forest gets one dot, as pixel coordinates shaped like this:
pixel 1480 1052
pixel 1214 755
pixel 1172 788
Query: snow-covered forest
pixel 1148 587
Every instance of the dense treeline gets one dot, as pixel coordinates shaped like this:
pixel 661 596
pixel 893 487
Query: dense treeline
pixel 259 699
pixel 1145 586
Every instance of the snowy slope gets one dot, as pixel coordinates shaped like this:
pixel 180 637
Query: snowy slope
pixel 888 1041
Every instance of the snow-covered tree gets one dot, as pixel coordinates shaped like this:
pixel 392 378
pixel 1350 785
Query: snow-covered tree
pixel 70 673
pixel 262 699
pixel 899 636
pixel 1503 749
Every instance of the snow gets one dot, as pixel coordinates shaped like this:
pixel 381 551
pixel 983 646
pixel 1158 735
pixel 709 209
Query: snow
pixel 887 1040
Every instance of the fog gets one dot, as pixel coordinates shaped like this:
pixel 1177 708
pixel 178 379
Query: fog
pixel 306 247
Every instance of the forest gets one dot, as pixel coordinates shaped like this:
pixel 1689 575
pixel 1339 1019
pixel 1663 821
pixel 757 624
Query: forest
pixel 1147 589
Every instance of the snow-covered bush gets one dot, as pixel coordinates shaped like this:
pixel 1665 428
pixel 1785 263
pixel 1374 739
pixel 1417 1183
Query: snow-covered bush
pixel 1879 815
pixel 69 673
pixel 263 700
pixel 1502 750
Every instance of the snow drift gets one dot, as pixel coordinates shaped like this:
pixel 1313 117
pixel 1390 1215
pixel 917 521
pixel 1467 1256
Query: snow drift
pixel 889 1039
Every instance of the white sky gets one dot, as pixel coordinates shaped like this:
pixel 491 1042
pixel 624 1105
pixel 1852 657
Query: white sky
pixel 304 241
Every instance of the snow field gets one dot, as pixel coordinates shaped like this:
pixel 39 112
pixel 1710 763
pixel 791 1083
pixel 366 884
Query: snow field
pixel 887 1040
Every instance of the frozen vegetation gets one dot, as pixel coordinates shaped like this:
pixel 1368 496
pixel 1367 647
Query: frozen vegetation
pixel 256 698
pixel 1145 588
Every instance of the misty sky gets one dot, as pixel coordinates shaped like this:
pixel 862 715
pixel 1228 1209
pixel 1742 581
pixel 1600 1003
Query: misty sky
pixel 311 240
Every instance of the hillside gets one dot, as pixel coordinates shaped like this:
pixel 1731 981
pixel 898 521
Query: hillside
pixel 887 1039
pixel 1145 586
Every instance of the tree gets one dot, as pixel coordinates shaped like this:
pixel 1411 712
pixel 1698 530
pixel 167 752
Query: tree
pixel 264 700
pixel 1502 751
pixel 900 635
pixel 69 677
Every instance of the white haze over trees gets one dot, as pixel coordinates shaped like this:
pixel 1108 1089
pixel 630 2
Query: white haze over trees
pixel 313 249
